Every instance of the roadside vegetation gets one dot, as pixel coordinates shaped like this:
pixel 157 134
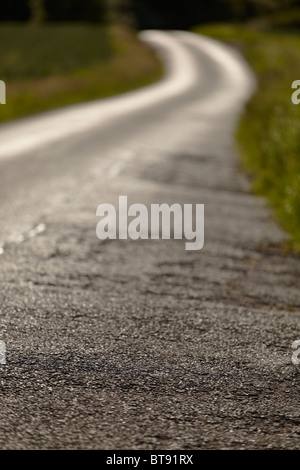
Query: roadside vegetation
pixel 51 65
pixel 269 130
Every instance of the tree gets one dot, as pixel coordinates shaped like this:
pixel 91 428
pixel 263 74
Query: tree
pixel 37 11
pixel 120 11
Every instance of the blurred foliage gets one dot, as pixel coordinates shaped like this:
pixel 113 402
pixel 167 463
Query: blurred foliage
pixel 47 50
pixel 186 13
pixel 268 132
pixel 53 10
pixel 288 19
pixel 37 11
pixel 120 11
pixel 143 13
pixel 75 10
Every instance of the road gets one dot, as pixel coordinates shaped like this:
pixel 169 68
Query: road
pixel 141 344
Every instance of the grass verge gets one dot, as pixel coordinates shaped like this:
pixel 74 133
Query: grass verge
pixel 269 130
pixel 50 66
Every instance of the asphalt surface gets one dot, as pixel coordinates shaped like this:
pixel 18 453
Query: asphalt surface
pixel 141 344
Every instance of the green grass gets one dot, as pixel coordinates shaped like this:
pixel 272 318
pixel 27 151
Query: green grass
pixel 269 130
pixel 49 66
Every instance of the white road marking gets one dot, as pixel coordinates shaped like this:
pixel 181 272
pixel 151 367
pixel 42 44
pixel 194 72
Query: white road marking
pixel 40 228
pixel 115 169
pixel 31 233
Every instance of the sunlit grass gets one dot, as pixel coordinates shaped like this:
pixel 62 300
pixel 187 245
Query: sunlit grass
pixel 269 130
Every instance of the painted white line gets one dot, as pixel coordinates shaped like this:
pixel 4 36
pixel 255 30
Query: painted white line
pixel 115 169
pixel 33 232
pixel 19 239
pixel 36 230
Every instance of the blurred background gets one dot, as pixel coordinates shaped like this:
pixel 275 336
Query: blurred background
pixel 59 52
pixel 142 13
